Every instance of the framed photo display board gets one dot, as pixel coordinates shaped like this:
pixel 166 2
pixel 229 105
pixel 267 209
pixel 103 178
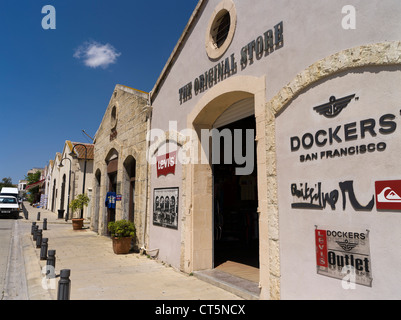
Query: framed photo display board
pixel 165 207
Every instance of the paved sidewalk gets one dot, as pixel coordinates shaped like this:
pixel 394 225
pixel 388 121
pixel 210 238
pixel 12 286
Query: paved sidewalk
pixel 99 274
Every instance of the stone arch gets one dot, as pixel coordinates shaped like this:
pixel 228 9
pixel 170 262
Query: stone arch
pixel 112 154
pixel 379 54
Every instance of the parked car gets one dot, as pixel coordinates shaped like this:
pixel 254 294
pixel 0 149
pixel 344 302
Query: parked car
pixel 9 206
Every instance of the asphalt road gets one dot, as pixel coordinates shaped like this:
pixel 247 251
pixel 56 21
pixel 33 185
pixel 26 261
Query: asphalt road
pixel 6 226
pixel 12 269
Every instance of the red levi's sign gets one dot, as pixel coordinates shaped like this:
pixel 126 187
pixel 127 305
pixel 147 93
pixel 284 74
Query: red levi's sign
pixel 166 164
pixel 388 195
pixel 321 248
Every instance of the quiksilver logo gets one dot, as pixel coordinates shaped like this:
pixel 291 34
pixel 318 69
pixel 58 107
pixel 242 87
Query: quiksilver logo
pixel 334 107
pixel 388 195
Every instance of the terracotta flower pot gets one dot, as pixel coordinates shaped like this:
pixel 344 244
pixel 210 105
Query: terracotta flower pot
pixel 77 224
pixel 121 245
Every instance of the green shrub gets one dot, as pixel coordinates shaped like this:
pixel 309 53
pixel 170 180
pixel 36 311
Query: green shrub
pixel 122 228
pixel 81 201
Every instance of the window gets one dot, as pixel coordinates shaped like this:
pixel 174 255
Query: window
pixel 113 118
pixel 8 200
pixel 221 29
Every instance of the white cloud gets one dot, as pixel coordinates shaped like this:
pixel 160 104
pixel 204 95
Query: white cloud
pixel 95 54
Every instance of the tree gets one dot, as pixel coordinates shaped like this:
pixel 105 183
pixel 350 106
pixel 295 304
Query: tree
pixel 32 178
pixel 6 183
pixel 81 201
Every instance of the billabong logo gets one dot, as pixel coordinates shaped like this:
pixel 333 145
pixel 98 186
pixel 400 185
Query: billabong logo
pixel 334 107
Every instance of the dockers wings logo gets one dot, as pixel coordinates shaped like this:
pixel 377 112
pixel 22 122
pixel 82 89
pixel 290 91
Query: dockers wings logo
pixel 346 245
pixel 334 107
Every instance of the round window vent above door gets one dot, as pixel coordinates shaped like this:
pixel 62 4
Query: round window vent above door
pixel 221 29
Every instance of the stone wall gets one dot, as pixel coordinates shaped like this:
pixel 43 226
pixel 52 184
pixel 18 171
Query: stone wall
pixel 122 133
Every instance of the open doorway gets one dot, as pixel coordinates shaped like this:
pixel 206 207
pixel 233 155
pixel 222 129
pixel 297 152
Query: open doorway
pixel 129 193
pixel 236 223
pixel 112 190
pixel 95 216
pixel 111 210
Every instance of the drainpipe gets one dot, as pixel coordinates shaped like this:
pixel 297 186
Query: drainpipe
pixel 148 109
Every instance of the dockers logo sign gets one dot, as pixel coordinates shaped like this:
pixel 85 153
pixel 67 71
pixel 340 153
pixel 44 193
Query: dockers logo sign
pixel 329 142
pixel 341 254
pixel 334 107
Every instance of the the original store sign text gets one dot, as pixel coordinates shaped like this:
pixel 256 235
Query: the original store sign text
pixel 271 40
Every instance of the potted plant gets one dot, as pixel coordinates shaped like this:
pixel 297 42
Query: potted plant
pixel 76 205
pixel 122 232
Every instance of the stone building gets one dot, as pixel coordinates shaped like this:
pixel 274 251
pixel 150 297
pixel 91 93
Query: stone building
pixel 66 177
pixel 120 165
pixel 53 184
pixel 305 99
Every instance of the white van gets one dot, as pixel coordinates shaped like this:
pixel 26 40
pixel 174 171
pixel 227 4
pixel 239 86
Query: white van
pixel 13 192
pixel 9 205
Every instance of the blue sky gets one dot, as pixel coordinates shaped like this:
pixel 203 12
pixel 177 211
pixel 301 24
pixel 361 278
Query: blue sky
pixel 54 83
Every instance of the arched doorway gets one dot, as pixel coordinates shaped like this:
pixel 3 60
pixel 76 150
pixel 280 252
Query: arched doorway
pixel 112 185
pixel 95 215
pixel 202 177
pixel 53 195
pixel 129 187
pixel 62 193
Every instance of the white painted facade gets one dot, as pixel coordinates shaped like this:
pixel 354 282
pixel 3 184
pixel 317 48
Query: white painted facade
pixel 316 58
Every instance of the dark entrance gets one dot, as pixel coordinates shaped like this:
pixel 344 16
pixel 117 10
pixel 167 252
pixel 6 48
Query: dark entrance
pixel 236 223
pixel 130 171
pixel 112 175
pixel 54 195
pixel 62 193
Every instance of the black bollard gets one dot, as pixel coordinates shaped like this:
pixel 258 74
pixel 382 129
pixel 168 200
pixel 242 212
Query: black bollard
pixel 26 213
pixel 35 232
pixel 38 217
pixel 43 249
pixel 64 285
pixel 45 224
pixel 33 228
pixel 51 263
pixel 39 239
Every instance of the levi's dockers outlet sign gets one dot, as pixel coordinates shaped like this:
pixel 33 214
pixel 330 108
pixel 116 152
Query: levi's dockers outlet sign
pixel 339 188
